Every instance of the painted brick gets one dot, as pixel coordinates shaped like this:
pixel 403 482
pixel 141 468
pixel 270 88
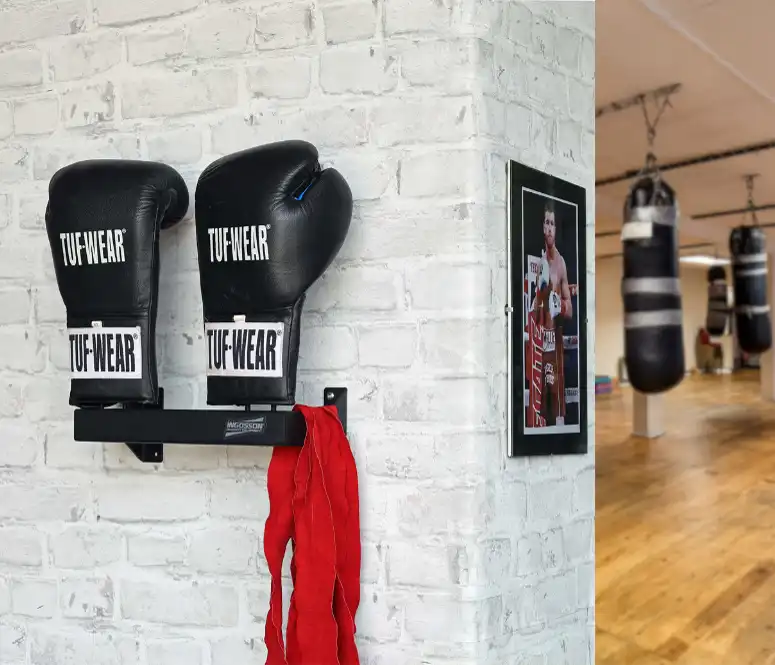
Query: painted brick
pixel 370 175
pixel 221 32
pixel 454 345
pixel 176 146
pixel 402 16
pixel 36 115
pixel 6 211
pixel 86 598
pixel 430 511
pixel 579 540
pixel 434 617
pixel 6 120
pixel 31 503
pixel 15 304
pixel 587 59
pixel 451 401
pixel 239 499
pixel 32 20
pixel 424 120
pixel 14 165
pixel 90 105
pixel 379 616
pixel 156 549
pixel 328 348
pixel 21 547
pixel 584 492
pixel 461 285
pixel 174 652
pixel 284 26
pixel 247 650
pixel 379 231
pixel 5 598
pixel 34 598
pixel 21 350
pixel 155 45
pixel 21 447
pixel 283 78
pixel 13 642
pixel 440 64
pixel 438 173
pixel 109 12
pixel 325 127
pixel 84 57
pixel 349 22
pixel 49 157
pixel 21 68
pixel 85 548
pixel 393 346
pixel 358 69
pixel 425 565
pixel 258 602
pixel 180 603
pixel 224 550
pixel 356 288
pixel 152 500
pixel 50 646
pixel 178 94
pixel 10 399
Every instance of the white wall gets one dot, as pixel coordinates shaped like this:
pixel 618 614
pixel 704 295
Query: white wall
pixel 468 557
pixel 609 315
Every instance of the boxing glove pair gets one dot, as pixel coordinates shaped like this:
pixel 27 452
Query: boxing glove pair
pixel 269 222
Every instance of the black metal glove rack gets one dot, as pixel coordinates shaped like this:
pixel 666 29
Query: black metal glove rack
pixel 145 429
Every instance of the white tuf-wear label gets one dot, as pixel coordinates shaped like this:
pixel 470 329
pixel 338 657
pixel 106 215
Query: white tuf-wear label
pixel 105 353
pixel 245 349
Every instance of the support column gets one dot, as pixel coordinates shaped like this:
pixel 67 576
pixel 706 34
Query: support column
pixel 648 418
pixel 767 359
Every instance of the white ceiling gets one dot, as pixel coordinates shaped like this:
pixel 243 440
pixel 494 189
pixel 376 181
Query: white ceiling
pixel 720 52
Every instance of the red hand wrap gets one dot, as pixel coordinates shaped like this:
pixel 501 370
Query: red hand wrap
pixel 313 502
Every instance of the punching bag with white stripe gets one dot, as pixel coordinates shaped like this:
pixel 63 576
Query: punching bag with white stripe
pixel 747 245
pixel 718 310
pixel 653 325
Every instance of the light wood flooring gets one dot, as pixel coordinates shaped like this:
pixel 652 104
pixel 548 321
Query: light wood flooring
pixel 685 528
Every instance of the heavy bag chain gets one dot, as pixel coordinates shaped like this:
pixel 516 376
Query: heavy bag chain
pixel 751 206
pixel 651 168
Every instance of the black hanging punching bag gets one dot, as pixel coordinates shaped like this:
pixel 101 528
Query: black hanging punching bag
pixel 718 310
pixel 747 245
pixel 653 322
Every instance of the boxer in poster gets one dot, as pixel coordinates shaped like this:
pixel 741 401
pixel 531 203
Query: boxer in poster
pixel 552 334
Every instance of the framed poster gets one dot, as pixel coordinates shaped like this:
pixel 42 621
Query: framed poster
pixel 547 320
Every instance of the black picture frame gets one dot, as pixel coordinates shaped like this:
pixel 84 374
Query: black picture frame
pixel 541 361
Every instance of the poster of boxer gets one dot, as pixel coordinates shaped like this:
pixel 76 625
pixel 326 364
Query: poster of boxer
pixel 547 314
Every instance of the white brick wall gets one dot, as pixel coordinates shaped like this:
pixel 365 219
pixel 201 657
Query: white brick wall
pixel 468 558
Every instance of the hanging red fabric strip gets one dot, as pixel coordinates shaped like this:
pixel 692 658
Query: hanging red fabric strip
pixel 313 503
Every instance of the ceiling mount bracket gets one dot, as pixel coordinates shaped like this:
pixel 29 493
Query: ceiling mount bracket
pixel 659 96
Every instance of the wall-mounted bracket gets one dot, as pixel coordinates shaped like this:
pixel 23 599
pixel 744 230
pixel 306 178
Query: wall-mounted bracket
pixel 145 429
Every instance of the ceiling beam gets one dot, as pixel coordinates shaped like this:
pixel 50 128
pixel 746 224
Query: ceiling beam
pixel 697 245
pixel 736 211
pixel 691 161
pixel 656 95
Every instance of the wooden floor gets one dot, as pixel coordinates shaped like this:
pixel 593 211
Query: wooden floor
pixel 685 533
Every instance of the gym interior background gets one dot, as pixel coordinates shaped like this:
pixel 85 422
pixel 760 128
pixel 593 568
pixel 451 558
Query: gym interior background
pixel 467 557
pixel 684 571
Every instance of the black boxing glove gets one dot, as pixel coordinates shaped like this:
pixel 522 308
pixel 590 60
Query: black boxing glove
pixel 269 222
pixel 103 219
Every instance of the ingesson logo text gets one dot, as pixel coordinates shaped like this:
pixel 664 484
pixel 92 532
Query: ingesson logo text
pixel 240 427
